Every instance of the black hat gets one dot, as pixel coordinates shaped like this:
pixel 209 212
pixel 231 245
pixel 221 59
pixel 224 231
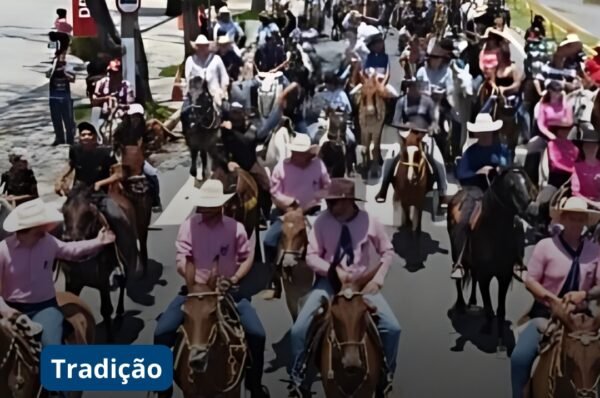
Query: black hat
pixel 584 132
pixel 87 126
pixel 61 12
pixel 373 38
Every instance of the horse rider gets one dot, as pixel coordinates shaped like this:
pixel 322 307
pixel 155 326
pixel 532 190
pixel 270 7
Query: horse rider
pixel 112 91
pixel 205 236
pixel 226 26
pixel 239 143
pixel 556 69
pixel 584 181
pixel 18 183
pixel 416 112
pixel 266 27
pixel 574 53
pixel 379 61
pixel 210 67
pixel 291 21
pixel 271 56
pixel 538 23
pixel 232 61
pixel 295 183
pixel 562 271
pixel 91 165
pixel 26 265
pixel 477 162
pixel 288 105
pixel 346 236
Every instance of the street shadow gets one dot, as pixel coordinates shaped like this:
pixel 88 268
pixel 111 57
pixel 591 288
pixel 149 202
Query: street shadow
pixel 282 350
pixel 404 246
pixel 470 324
pixel 126 329
pixel 139 290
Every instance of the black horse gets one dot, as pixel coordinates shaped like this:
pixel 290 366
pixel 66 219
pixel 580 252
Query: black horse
pixel 201 123
pixel 335 152
pixel 495 243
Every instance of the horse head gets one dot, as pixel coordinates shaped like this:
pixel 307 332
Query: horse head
pixel 82 218
pixel 462 78
pixel 200 317
pixel 337 125
pixel 131 130
pixel 371 90
pixel 514 190
pixel 412 156
pixel 203 109
pixel 294 240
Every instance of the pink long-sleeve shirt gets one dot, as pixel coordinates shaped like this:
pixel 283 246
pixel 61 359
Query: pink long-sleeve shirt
pixel 368 236
pixel 301 184
pixel 585 180
pixel 549 265
pixel 201 244
pixel 26 272
pixel 562 154
pixel 554 115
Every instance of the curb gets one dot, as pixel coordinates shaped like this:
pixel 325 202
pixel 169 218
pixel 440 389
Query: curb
pixel 561 23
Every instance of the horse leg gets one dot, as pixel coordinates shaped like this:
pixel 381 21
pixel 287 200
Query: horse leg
pixel 460 305
pixel 193 166
pixel 106 310
pixel 484 288
pixel 503 285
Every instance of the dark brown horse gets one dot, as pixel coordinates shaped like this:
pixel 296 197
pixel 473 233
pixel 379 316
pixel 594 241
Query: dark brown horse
pixel 210 354
pixel 486 239
pixel 333 146
pixel 568 366
pixel 83 220
pixel 502 110
pixel 19 361
pixel 346 341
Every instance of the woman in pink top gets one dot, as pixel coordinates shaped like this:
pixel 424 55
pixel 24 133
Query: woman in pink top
pixel 554 111
pixel 563 270
pixel 30 251
pixel 585 181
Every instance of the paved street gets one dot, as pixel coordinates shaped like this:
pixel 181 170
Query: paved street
pixel 582 13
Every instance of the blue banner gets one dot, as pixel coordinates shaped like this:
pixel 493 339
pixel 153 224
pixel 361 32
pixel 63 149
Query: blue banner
pixel 106 368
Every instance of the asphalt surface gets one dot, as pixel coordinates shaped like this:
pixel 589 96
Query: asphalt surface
pixel 438 357
pixel 582 13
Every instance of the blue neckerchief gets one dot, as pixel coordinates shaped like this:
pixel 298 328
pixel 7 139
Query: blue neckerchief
pixel 572 282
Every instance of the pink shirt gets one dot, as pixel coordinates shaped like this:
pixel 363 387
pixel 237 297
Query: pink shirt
pixel 302 184
pixel 26 272
pixel 203 243
pixel 549 265
pixel 368 235
pixel 562 155
pixel 585 181
pixel 63 26
pixel 554 115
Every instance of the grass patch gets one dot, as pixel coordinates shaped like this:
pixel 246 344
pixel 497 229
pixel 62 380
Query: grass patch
pixel 247 16
pixel 168 71
pixel 157 111
pixel 82 113
pixel 520 15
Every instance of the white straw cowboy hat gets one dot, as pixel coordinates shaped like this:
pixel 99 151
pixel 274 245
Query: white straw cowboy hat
pixel 484 124
pixel 135 109
pixel 224 10
pixel 211 194
pixel 574 204
pixel 33 213
pixel 569 39
pixel 18 153
pixel 225 39
pixel 201 40
pixel 300 143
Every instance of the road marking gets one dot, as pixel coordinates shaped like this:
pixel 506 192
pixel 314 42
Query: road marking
pixel 179 207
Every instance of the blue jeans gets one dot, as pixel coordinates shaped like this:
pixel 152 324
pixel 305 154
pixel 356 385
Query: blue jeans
pixel 61 113
pixel 271 122
pixel 522 358
pixel 170 320
pixel 46 314
pixel 387 325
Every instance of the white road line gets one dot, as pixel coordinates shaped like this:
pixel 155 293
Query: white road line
pixel 179 207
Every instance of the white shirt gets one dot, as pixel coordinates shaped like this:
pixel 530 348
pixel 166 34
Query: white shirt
pixel 213 70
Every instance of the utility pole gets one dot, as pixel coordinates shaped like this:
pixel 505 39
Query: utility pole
pixel 129 15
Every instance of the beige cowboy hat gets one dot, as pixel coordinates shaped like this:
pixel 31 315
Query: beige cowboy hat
pixel 201 40
pixel 300 143
pixel 33 213
pixel 484 124
pixel 224 10
pixel 135 109
pixel 211 194
pixel 574 204
pixel 340 188
pixel 570 39
pixel 494 31
pixel 225 39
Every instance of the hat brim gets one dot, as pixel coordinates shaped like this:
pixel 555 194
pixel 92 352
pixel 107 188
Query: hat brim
pixel 340 197
pixel 300 148
pixel 194 44
pixel 52 216
pixel 593 215
pixel 492 127
pixel 567 42
pixel 213 201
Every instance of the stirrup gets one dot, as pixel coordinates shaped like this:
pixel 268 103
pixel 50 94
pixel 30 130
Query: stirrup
pixel 458 272
pixel 381 199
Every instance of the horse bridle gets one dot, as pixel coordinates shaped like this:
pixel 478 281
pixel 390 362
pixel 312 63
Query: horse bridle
pixel 14 347
pixel 223 328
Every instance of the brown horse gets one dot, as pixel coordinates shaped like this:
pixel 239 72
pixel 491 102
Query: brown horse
pixel 291 260
pixel 371 116
pixel 333 146
pixel 502 110
pixel 345 337
pixel 83 220
pixel 210 354
pixel 568 366
pixel 412 181
pixel 19 365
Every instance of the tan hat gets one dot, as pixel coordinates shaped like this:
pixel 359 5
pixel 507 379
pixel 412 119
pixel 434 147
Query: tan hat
pixel 224 10
pixel 484 124
pixel 225 39
pixel 300 143
pixel 201 40
pixel 574 204
pixel 340 188
pixel 135 108
pixel 33 213
pixel 571 38
pixel 211 194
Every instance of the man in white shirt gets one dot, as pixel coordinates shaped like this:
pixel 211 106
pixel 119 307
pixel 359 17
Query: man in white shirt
pixel 225 25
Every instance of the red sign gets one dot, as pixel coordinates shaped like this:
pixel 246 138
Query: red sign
pixel 83 23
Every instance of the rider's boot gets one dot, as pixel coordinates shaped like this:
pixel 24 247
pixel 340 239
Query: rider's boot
pixel 388 176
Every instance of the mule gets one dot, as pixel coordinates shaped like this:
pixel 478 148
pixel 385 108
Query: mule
pixel 210 353
pixel 411 183
pixel 334 149
pixel 19 365
pixel 83 220
pixel 494 245
pixel 201 131
pixel 568 365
